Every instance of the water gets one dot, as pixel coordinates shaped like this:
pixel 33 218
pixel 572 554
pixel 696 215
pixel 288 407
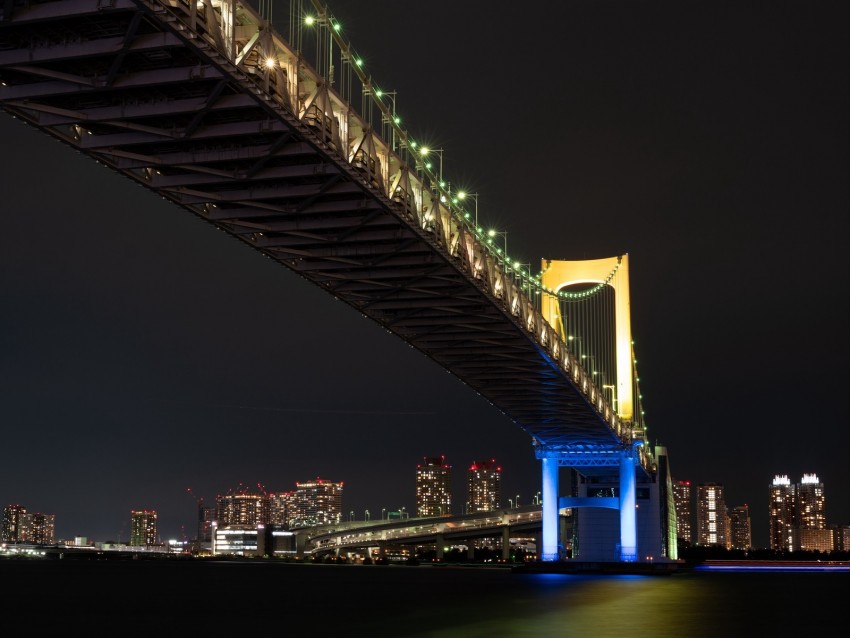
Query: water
pixel 127 598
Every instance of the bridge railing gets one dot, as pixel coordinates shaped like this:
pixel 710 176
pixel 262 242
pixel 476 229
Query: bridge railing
pixel 399 172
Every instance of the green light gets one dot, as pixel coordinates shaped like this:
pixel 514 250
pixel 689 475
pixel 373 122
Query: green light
pixel 358 62
pixel 378 92
pixel 309 20
pixel 491 233
pixel 397 119
pixel 337 26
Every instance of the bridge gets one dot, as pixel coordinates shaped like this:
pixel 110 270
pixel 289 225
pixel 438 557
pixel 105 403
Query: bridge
pixel 305 160
pixel 375 537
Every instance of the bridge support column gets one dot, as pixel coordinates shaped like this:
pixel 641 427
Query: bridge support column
pixel 506 543
pixel 550 468
pixel 628 515
pixel 439 543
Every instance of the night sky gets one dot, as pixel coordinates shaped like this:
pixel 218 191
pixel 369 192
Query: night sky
pixel 144 353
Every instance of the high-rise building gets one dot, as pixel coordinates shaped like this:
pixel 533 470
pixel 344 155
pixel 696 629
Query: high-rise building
pixel 14 524
pixel 740 533
pixel 317 502
pixel 241 507
pixel 798 515
pixel 143 528
pixel 782 500
pixel 484 482
pixel 41 528
pixel 684 512
pixel 712 523
pixel 810 503
pixel 433 487
pixel 812 533
pixel 280 506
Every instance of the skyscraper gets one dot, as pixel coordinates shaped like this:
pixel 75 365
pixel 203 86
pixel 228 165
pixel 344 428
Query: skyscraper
pixel 712 525
pixel 782 499
pixel 741 536
pixel 14 524
pixel 143 528
pixel 242 507
pixel 684 511
pixel 433 487
pixel 484 482
pixel 811 533
pixel 317 502
pixel 798 515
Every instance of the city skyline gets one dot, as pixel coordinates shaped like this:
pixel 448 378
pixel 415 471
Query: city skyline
pixel 692 527
pixel 145 352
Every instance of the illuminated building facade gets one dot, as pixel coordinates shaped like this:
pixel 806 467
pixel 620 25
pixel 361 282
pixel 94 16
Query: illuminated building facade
pixel 683 498
pixel 14 524
pixel 433 487
pixel 712 523
pixel 484 482
pixel 782 499
pixel 741 534
pixel 811 512
pixel 143 528
pixel 236 540
pixel 242 508
pixel 317 502
pixel 798 515
pixel 811 533
pixel 280 506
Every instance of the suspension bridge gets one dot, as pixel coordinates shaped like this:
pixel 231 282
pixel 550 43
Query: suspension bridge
pixel 282 139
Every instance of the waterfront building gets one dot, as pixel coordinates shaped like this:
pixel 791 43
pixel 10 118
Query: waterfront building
pixel 810 503
pixel 683 498
pixel 41 528
pixel 143 528
pixel 798 515
pixel 241 507
pixel 236 540
pixel 712 521
pixel 741 534
pixel 433 487
pixel 484 483
pixel 317 502
pixel 840 537
pixel 280 506
pixel 782 505
pixel 206 516
pixel 14 524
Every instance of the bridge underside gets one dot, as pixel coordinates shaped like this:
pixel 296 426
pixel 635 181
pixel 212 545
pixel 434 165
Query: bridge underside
pixel 121 84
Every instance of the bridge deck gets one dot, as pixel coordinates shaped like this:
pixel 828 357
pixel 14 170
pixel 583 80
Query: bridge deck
pixel 147 88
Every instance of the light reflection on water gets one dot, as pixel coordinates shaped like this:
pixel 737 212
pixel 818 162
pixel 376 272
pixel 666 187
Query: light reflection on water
pixel 419 602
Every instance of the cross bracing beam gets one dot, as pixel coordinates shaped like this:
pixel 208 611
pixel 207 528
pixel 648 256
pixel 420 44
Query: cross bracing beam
pixel 170 95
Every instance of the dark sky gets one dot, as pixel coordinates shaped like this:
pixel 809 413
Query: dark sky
pixel 144 352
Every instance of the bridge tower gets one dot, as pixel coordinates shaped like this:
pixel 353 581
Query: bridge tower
pixel 620 459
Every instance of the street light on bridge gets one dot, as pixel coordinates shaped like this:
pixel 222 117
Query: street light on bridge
pixel 424 152
pixel 493 233
pixel 462 195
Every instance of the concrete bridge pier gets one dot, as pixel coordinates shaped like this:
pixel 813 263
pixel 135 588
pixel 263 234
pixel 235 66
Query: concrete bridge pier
pixel 439 544
pixel 549 550
pixel 628 515
pixel 506 543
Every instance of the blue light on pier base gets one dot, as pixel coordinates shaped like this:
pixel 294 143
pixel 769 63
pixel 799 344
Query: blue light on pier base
pixel 628 515
pixel 550 509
